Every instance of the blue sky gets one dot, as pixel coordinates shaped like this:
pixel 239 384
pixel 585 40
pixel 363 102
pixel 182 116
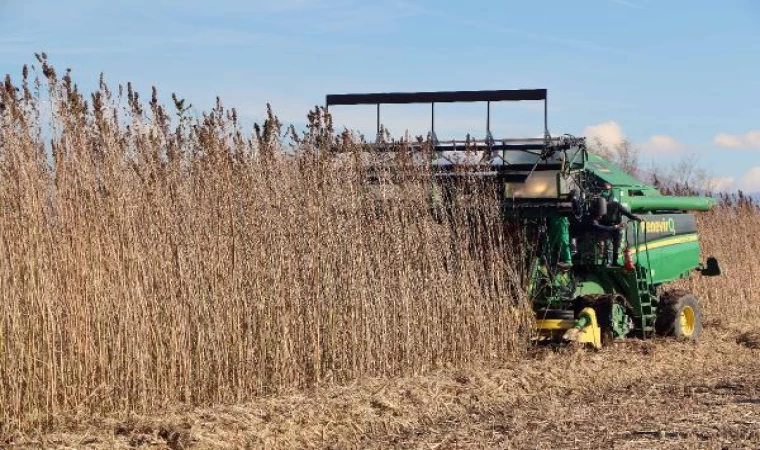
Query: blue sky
pixel 675 77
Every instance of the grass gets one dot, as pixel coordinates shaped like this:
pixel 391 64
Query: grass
pixel 150 259
pixel 730 233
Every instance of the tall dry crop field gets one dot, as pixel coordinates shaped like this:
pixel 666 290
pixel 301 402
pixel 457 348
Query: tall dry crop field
pixel 150 258
pixel 731 233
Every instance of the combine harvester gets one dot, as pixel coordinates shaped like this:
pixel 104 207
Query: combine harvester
pixel 601 246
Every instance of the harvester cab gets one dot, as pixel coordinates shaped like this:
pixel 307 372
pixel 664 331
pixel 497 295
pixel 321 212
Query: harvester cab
pixel 600 245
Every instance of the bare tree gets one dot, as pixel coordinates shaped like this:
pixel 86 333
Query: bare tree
pixel 623 155
pixel 685 175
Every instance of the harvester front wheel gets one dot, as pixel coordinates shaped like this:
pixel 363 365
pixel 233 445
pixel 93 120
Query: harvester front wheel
pixel 679 315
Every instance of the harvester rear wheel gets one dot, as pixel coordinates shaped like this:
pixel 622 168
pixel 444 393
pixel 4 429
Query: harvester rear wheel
pixel 679 315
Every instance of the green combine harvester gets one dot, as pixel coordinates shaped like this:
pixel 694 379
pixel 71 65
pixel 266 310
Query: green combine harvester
pixel 600 245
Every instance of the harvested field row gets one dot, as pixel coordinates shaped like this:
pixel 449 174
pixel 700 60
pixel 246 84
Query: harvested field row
pixel 655 394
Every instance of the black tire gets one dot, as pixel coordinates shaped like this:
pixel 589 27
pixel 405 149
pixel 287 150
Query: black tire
pixel 679 315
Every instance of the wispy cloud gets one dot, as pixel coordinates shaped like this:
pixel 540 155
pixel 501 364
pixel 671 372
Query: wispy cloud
pixel 14 40
pixel 336 6
pixel 218 37
pixel 289 5
pixel 379 17
pixel 660 144
pixel 611 135
pixel 564 41
pixel 751 181
pixel 627 3
pixel 282 6
pixel 721 184
pixel 749 140
pixel 15 44
pixel 120 43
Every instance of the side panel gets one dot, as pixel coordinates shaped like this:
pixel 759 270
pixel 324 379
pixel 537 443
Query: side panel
pixel 592 284
pixel 670 258
pixel 658 226
pixel 667 244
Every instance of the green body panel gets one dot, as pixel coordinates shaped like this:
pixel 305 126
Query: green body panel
pixel 669 260
pixel 612 174
pixel 605 281
pixel 559 235
pixel 593 284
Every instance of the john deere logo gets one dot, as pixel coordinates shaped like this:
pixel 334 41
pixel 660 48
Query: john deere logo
pixel 660 226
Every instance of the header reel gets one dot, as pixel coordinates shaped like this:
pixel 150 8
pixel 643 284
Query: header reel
pixel 535 169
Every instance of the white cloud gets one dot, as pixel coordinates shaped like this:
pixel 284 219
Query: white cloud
pixel 609 134
pixel 721 184
pixel 749 140
pixel 751 181
pixel 661 144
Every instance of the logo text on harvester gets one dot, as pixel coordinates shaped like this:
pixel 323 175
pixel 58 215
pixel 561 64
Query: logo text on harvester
pixel 660 226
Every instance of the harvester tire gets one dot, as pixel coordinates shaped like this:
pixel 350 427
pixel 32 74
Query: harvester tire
pixel 679 315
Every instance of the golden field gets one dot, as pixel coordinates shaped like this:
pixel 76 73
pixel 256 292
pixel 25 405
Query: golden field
pixel 173 281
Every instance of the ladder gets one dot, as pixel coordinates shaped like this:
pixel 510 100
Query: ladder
pixel 645 294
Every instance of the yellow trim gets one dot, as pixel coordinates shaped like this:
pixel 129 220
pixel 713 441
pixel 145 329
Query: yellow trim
pixel 666 242
pixel 591 333
pixel 687 320
pixel 554 324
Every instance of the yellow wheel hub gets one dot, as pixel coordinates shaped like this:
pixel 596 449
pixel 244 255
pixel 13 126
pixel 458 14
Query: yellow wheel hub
pixel 687 320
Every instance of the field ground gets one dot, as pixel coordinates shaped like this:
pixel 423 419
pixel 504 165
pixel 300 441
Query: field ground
pixel 635 394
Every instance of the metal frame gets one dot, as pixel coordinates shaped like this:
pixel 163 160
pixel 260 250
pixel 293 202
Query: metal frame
pixel 487 166
pixel 514 95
